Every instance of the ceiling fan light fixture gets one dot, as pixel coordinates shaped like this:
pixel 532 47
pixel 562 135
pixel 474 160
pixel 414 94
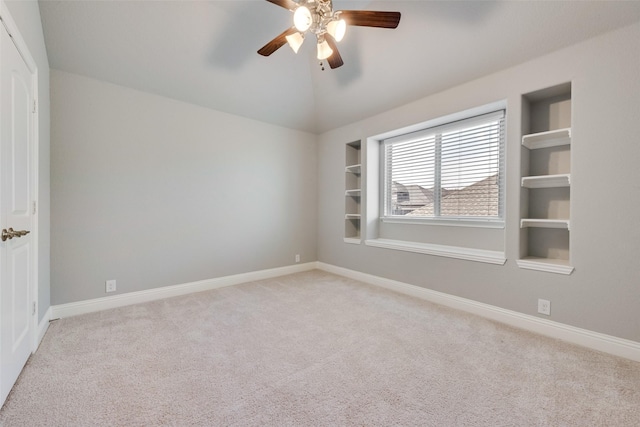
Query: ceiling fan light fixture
pixel 337 29
pixel 324 50
pixel 302 19
pixel 295 40
pixel 327 25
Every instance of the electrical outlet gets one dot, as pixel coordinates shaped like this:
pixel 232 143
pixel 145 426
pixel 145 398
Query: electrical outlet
pixel 544 307
pixel 110 286
pixel 297 257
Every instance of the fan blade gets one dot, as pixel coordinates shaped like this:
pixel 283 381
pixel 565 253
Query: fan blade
pixel 370 18
pixel 276 43
pixel 335 60
pixel 287 4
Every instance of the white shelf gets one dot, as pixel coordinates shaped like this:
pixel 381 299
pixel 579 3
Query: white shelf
pixel 560 266
pixel 545 223
pixel 352 205
pixel 544 220
pixel 546 181
pixel 354 169
pixel 552 138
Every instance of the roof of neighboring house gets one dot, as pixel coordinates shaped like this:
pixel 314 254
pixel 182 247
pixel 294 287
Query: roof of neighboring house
pixel 479 199
pixel 418 195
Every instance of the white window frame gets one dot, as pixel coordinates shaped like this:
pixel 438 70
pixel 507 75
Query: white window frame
pixel 441 125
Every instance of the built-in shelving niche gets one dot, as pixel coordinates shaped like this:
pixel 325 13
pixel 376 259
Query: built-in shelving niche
pixel 352 192
pixel 545 220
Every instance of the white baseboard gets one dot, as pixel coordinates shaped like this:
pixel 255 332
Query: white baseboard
pixel 583 337
pixel 121 300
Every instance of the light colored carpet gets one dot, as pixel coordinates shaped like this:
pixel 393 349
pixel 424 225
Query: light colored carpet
pixel 313 349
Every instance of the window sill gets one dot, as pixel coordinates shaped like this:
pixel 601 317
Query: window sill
pixel 478 255
pixel 445 222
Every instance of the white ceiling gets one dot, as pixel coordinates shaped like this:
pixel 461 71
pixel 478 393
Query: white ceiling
pixel 204 52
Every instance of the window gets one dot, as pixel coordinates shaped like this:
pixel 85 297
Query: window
pixel 451 172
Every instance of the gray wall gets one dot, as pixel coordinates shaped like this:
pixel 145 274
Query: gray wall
pixel 154 192
pixel 26 15
pixel 603 293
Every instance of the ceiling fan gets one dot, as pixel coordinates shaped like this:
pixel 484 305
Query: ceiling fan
pixel 329 26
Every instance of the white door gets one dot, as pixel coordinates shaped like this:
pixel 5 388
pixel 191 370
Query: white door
pixel 16 253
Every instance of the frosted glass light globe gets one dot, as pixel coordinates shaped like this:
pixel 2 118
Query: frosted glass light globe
pixel 302 19
pixel 295 40
pixel 324 51
pixel 337 29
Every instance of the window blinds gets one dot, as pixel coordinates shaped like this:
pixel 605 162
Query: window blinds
pixel 455 170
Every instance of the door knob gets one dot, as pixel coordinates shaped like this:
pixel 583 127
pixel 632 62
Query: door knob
pixel 11 233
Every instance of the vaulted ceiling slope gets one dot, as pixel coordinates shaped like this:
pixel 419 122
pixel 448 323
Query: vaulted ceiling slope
pixel 204 52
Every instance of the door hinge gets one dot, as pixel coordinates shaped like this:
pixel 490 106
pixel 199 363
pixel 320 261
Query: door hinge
pixel 35 106
pixel 34 309
pixel 35 207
